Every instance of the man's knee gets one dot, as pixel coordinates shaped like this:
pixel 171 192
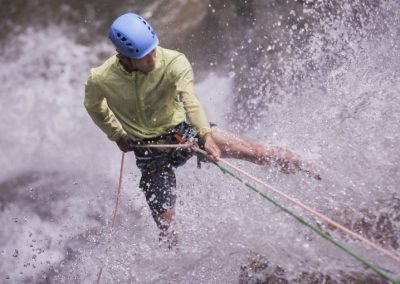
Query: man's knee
pixel 259 152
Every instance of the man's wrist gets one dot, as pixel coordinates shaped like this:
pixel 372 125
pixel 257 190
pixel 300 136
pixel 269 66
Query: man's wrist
pixel 206 134
pixel 122 137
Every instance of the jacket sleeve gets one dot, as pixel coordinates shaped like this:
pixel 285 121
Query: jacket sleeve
pixel 96 105
pixel 184 82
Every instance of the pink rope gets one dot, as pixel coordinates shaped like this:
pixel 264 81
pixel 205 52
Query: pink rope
pixel 305 207
pixel 115 208
pixel 185 145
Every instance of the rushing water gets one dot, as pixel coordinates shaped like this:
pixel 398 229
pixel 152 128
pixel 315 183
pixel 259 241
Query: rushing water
pixel 319 77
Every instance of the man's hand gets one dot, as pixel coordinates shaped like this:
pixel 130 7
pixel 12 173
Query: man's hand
pixel 290 163
pixel 124 143
pixel 211 148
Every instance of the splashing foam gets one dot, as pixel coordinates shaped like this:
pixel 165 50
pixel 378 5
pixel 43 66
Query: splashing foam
pixel 43 119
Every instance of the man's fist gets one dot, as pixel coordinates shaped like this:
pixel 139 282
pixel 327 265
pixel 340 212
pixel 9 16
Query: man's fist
pixel 124 143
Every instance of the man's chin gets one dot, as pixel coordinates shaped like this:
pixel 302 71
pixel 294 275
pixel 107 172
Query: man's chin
pixel 148 69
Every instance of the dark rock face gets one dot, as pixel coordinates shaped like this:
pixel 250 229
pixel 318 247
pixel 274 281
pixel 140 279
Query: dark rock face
pixel 258 270
pixel 89 21
pixel 380 224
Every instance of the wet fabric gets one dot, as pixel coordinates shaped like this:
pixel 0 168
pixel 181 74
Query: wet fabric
pixel 144 105
pixel 159 189
pixel 157 166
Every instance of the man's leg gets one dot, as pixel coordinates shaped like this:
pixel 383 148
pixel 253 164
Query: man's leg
pixel 165 222
pixel 235 146
pixel 159 186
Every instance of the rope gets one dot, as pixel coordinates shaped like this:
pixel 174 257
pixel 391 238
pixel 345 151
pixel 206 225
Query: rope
pixel 115 209
pixel 186 145
pixel 301 220
pixel 314 228
pixel 118 191
pixel 305 207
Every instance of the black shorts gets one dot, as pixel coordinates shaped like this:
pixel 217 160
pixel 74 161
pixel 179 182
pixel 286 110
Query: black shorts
pixel 159 189
pixel 157 165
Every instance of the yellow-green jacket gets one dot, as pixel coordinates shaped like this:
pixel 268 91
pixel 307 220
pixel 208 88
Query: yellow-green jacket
pixel 144 106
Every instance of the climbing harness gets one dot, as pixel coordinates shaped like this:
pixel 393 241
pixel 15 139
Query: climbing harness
pixel 175 150
pixel 323 234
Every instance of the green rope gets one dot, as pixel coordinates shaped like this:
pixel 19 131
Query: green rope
pixel 312 227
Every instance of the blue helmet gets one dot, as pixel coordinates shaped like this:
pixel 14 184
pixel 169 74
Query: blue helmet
pixel 133 36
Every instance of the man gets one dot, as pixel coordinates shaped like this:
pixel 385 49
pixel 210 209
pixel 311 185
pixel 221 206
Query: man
pixel 145 95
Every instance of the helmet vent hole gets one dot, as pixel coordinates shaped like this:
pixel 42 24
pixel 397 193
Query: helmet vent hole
pixel 137 50
pixel 123 38
pixel 144 22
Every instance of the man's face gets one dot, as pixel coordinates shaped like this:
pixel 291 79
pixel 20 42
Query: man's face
pixel 147 63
